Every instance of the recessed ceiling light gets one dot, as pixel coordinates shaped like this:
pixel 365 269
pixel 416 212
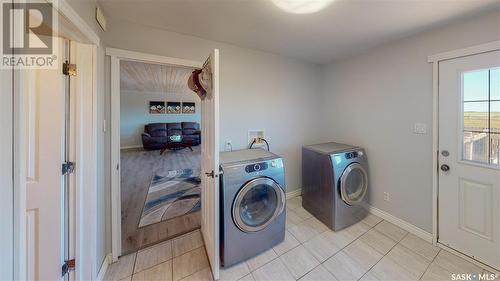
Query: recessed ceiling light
pixel 302 6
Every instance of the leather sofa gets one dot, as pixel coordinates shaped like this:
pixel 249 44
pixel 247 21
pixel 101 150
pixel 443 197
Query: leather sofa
pixel 158 135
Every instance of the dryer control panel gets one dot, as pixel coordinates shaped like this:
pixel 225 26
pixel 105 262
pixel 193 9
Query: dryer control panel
pixel 353 154
pixel 257 167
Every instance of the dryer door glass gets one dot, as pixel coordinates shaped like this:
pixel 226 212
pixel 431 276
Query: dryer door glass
pixel 257 204
pixel 353 184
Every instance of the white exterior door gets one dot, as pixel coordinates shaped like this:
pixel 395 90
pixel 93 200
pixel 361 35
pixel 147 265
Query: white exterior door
pixel 210 162
pixel 469 156
pixel 44 113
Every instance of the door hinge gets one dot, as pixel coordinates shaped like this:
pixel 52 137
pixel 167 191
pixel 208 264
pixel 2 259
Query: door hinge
pixel 68 168
pixel 69 69
pixel 212 174
pixel 68 266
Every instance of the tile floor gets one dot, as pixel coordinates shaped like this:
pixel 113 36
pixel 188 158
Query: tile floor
pixel 373 249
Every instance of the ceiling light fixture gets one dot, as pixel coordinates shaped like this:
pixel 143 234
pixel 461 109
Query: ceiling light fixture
pixel 302 6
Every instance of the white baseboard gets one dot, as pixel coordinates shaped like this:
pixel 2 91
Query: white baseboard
pixel 384 215
pixel 401 223
pixel 131 146
pixel 294 193
pixel 104 267
pixel 423 234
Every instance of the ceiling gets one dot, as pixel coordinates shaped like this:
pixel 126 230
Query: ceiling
pixel 342 28
pixel 147 77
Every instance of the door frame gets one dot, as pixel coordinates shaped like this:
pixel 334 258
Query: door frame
pixel 435 60
pixel 116 56
pixel 7 238
pixel 72 27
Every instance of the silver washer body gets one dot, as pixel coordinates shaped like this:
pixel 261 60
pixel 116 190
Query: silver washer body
pixel 242 171
pixel 335 183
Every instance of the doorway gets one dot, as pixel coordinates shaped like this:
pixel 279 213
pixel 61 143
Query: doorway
pixel 160 154
pixel 206 85
pixel 469 156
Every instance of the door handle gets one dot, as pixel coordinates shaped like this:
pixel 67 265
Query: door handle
pixel 445 168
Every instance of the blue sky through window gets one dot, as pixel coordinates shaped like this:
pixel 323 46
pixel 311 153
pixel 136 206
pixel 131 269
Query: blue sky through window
pixel 475 85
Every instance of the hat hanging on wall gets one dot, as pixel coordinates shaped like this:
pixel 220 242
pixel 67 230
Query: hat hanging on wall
pixel 199 82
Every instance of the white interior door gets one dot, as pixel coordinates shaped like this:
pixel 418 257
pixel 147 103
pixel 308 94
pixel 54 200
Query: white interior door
pixel 210 162
pixel 469 136
pixel 44 109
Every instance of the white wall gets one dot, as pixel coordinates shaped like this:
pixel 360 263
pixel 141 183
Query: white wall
pixel 258 90
pixel 134 113
pixel 374 99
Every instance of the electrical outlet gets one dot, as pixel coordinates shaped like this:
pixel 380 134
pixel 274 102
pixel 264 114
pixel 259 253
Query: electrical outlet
pixel 387 196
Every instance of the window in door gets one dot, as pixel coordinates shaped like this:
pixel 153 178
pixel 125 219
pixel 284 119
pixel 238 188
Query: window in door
pixel 481 116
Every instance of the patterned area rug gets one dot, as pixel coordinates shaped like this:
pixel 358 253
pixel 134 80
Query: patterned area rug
pixel 171 194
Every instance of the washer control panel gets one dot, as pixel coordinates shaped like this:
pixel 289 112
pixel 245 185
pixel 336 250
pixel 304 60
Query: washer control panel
pixel 257 167
pixel 353 154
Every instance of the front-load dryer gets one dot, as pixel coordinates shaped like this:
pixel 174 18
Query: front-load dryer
pixel 335 183
pixel 252 193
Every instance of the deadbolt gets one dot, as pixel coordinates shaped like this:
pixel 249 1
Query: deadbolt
pixel 445 168
pixel 445 153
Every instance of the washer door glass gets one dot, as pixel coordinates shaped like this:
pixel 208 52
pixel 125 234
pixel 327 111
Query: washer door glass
pixel 257 204
pixel 353 184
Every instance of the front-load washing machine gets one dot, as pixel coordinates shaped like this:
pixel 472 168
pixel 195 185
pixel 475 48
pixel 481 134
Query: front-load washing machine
pixel 252 193
pixel 335 183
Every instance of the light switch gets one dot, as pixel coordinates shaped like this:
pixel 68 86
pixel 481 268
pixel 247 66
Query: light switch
pixel 420 128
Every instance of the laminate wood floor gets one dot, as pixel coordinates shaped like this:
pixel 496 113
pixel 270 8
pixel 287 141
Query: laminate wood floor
pixel 137 169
